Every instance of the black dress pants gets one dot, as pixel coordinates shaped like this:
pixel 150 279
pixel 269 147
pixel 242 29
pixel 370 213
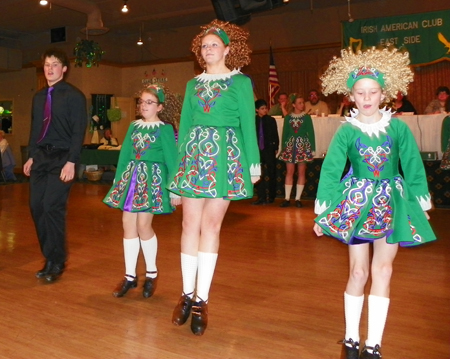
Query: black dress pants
pixel 266 187
pixel 48 202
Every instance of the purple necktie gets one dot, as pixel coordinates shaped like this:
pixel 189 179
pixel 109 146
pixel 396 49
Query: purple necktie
pixel 47 115
pixel 261 135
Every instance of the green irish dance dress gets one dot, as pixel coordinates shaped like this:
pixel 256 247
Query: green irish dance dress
pixel 298 142
pixel 374 200
pixel 217 150
pixel 146 157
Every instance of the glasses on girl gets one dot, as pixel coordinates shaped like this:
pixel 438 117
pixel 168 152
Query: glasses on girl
pixel 148 102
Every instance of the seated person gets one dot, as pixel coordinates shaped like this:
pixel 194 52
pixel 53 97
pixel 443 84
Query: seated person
pixel 8 161
pixel 402 104
pixel 345 107
pixel 438 104
pixel 315 106
pixel 107 139
pixel 282 107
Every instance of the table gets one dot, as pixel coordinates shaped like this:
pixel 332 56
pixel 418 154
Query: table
pixel 99 157
pixel 426 130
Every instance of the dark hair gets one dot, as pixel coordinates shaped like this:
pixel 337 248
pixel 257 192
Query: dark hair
pixel 282 93
pixel 259 103
pixel 442 89
pixel 57 53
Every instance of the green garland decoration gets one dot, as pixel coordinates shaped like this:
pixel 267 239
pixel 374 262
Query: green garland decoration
pixel 87 51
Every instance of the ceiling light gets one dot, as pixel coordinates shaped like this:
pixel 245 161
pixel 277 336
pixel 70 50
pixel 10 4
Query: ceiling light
pixel 43 2
pixel 140 42
pixel 350 19
pixel 125 8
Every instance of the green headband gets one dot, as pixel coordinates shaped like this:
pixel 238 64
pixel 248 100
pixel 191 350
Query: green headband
pixel 158 92
pixel 219 32
pixel 365 73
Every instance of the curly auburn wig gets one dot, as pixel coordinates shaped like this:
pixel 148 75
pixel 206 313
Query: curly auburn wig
pixel 171 111
pixel 393 64
pixel 239 54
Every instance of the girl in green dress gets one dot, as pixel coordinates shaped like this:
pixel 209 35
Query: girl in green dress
pixel 373 203
pixel 298 145
pixel 147 155
pixel 218 159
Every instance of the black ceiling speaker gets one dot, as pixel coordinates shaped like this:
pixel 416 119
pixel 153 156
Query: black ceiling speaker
pixel 230 10
pixel 239 11
pixel 252 5
pixel 58 34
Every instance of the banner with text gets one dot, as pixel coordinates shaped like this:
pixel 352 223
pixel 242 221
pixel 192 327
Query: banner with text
pixel 426 36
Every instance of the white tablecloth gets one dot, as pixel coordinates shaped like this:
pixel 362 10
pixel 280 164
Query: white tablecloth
pixel 425 128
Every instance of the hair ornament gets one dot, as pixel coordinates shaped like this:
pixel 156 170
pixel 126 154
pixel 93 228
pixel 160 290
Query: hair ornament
pixel 388 66
pixel 218 32
pixel 364 72
pixel 159 92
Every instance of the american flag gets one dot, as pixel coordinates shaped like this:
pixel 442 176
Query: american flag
pixel 274 85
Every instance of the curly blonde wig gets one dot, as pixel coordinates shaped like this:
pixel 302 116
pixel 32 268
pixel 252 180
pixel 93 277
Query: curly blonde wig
pixel 239 54
pixel 171 111
pixel 389 62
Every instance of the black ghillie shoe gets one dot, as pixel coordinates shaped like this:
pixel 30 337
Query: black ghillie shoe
pixel 199 317
pixel 150 286
pixel 350 349
pixel 124 286
pixel 182 310
pixel 376 354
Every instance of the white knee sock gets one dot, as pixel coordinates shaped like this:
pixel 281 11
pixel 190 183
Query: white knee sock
pixel 131 252
pixel 287 191
pixel 206 267
pixel 298 192
pixel 378 309
pixel 189 273
pixel 150 249
pixel 353 308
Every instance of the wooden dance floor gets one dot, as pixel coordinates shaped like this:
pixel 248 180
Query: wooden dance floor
pixel 277 291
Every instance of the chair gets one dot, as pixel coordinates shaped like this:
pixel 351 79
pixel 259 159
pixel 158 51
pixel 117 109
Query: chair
pixel 2 172
pixel 7 165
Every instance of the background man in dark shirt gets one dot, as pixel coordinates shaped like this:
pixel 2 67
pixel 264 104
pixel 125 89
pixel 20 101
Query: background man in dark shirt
pixel 268 141
pixel 53 154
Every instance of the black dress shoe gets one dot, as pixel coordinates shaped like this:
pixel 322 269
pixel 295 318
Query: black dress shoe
pixel 199 317
pixel 55 272
pixel 182 310
pixel 44 271
pixel 124 286
pixel 285 203
pixel 365 354
pixel 298 204
pixel 149 286
pixel 271 200
pixel 350 349
pixel 259 202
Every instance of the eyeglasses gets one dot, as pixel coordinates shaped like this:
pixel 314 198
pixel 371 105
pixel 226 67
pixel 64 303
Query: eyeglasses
pixel 148 102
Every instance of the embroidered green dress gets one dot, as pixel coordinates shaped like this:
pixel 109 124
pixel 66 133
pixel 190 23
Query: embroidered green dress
pixel 146 157
pixel 217 150
pixel 374 200
pixel 298 142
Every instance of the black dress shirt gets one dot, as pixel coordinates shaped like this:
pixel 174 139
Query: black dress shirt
pixel 271 139
pixel 68 122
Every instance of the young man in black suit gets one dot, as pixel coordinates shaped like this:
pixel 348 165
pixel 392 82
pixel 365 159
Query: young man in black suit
pixel 268 141
pixel 58 124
